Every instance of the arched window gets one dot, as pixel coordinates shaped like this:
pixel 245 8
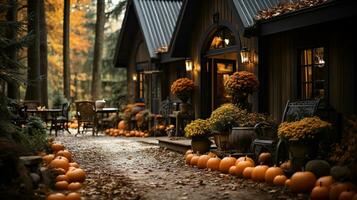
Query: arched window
pixel 222 38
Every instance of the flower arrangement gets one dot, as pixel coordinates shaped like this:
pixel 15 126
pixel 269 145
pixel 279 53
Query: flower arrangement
pixel 306 128
pixel 197 128
pixel 225 117
pixel 182 88
pixel 241 83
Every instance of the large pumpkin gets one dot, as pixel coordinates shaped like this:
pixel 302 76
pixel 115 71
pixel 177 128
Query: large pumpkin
pixel 60 162
pixel 247 172
pixel 226 163
pixel 122 125
pixel 258 173
pixel 337 188
pixel 280 180
pixel 271 173
pixel 242 165
pixel 202 161
pixel 213 163
pixel 65 153
pixel 319 193
pixel 56 196
pixel 76 175
pixel 302 181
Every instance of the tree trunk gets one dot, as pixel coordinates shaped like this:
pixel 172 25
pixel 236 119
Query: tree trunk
pixel 98 50
pixel 43 54
pixel 66 67
pixel 33 52
pixel 11 16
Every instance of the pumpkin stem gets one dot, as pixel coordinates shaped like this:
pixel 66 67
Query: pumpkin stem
pixel 320 183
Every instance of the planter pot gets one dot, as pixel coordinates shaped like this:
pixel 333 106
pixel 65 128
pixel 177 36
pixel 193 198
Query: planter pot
pixel 200 144
pixel 241 138
pixel 221 141
pixel 301 151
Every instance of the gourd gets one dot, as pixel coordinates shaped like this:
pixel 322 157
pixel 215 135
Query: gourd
pixel 226 163
pixel 76 175
pixel 247 172
pixel 194 160
pixel 264 158
pixel 280 180
pixel 73 196
pixel 340 173
pixel 302 181
pixel 56 196
pixel 202 161
pixel 74 186
pixel 318 167
pixel 271 173
pixel 213 163
pixel 326 181
pixel 242 165
pixel 258 173
pixel 319 193
pixel 337 188
pixel 60 162
pixel 64 153
pixel 61 185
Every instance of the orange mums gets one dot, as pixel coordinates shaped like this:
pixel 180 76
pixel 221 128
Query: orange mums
pixel 182 88
pixel 241 83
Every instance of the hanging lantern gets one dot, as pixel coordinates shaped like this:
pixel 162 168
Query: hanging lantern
pixel 189 65
pixel 244 54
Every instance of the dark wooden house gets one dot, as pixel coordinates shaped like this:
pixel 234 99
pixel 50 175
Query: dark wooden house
pixel 142 49
pixel 306 53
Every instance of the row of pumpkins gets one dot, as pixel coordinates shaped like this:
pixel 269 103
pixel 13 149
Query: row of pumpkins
pixel 118 132
pixel 320 188
pixel 70 176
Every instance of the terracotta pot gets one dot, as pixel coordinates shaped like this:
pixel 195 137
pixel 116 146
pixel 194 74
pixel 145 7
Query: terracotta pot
pixel 241 138
pixel 200 144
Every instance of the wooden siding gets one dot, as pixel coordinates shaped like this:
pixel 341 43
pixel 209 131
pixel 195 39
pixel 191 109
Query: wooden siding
pixel 279 65
pixel 202 30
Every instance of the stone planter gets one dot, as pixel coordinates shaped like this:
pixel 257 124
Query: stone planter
pixel 200 144
pixel 241 138
pixel 301 151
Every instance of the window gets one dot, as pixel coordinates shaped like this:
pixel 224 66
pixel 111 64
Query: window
pixel 221 39
pixel 314 74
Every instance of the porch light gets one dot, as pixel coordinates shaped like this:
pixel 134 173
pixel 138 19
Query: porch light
pixel 188 63
pixel 135 77
pixel 244 54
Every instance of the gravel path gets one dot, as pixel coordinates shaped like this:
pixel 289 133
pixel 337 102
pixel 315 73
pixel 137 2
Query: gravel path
pixel 122 168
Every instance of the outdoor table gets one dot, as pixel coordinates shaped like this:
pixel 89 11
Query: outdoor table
pixel 106 111
pixel 44 112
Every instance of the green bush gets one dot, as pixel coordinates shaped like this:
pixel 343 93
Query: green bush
pixel 35 135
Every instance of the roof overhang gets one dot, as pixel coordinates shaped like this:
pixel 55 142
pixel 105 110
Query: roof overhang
pixel 330 11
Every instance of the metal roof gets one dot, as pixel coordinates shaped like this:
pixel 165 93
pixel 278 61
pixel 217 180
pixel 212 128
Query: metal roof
pixel 248 9
pixel 157 19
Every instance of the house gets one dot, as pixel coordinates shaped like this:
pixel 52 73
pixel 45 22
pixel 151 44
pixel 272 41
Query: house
pixel 308 52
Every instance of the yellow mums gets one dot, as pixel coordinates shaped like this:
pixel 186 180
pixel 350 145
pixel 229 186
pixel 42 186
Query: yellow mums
pixel 182 88
pixel 198 127
pixel 308 127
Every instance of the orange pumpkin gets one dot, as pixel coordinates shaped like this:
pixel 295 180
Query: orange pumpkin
pixel 122 125
pixel 74 164
pixel 74 186
pixel 61 185
pixel 76 175
pixel 247 172
pixel 189 157
pixel 271 173
pixel 286 165
pixel 302 181
pixel 213 163
pixel 258 173
pixel 337 188
pixel 64 153
pixel 245 158
pixel 326 181
pixel 242 165
pixel 280 180
pixel 319 193
pixel 61 178
pixel 233 170
pixel 202 161
pixel 60 162
pixel 48 158
pixel 73 196
pixel 288 183
pixel 264 158
pixel 346 195
pixel 194 160
pixel 56 196
pixel 56 147
pixel 226 163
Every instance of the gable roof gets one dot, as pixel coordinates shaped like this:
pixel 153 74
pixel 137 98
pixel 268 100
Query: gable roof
pixel 156 19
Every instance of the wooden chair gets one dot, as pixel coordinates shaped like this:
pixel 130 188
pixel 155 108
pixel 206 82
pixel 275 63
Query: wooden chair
pixel 294 110
pixel 61 122
pixel 86 115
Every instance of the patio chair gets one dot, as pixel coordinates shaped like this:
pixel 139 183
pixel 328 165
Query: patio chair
pixel 294 110
pixel 61 122
pixel 86 115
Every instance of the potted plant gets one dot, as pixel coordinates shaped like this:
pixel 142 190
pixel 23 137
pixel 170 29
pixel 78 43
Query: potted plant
pixel 302 138
pixel 239 85
pixel 221 122
pixel 183 88
pixel 198 130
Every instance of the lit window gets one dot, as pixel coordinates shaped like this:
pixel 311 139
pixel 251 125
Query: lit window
pixel 221 39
